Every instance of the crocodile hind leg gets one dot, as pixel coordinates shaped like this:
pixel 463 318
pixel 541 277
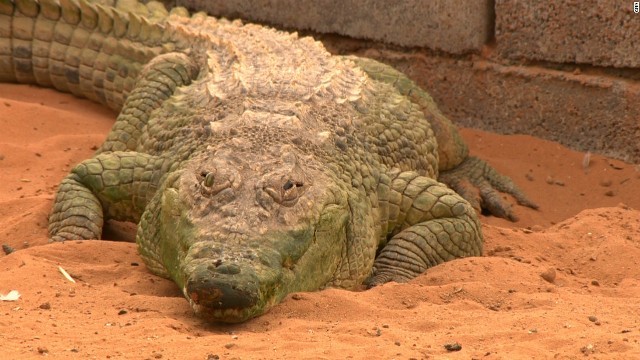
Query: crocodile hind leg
pixel 427 223
pixel 470 177
pixel 117 186
pixel 479 183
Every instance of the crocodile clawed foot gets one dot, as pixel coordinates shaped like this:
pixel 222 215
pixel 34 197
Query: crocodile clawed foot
pixel 480 185
pixel 382 278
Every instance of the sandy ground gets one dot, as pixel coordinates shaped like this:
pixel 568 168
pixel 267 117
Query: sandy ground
pixel 561 283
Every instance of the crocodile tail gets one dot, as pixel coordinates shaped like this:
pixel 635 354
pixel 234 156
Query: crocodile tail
pixel 76 46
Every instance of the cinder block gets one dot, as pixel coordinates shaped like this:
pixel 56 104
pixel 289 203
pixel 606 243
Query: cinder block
pixel 453 26
pixel 596 113
pixel 602 33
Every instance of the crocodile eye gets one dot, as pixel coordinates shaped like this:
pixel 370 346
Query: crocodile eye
pixel 286 194
pixel 209 179
pixel 290 184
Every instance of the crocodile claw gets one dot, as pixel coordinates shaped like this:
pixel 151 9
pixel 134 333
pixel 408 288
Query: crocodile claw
pixel 481 185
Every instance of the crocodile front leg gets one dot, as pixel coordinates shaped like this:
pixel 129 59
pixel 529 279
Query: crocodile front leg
pixel 157 82
pixel 116 186
pixel 120 183
pixel 428 224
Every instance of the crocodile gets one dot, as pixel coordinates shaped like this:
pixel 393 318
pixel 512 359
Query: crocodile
pixel 255 163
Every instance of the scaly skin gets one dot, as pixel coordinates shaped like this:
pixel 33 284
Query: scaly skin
pixel 255 163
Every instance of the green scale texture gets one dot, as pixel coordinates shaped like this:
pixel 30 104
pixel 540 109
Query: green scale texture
pixel 254 162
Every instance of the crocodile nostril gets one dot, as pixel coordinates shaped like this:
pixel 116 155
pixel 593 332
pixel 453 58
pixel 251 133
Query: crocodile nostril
pixel 215 265
pixel 228 269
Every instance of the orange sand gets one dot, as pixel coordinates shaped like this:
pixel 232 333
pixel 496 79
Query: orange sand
pixel 585 240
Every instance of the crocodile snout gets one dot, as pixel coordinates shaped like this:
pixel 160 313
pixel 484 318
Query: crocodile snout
pixel 210 292
pixel 231 291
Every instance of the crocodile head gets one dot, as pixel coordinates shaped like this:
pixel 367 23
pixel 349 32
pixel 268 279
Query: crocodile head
pixel 241 230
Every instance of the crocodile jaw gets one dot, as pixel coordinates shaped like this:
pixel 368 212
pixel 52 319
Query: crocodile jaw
pixel 225 315
pixel 234 291
pixel 241 287
pixel 221 315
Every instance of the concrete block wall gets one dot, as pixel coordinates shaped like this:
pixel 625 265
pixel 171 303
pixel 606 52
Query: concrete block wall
pixel 566 70
pixel 422 23
pixel 592 32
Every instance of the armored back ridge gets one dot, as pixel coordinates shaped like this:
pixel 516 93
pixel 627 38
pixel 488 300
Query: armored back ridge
pixel 254 162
